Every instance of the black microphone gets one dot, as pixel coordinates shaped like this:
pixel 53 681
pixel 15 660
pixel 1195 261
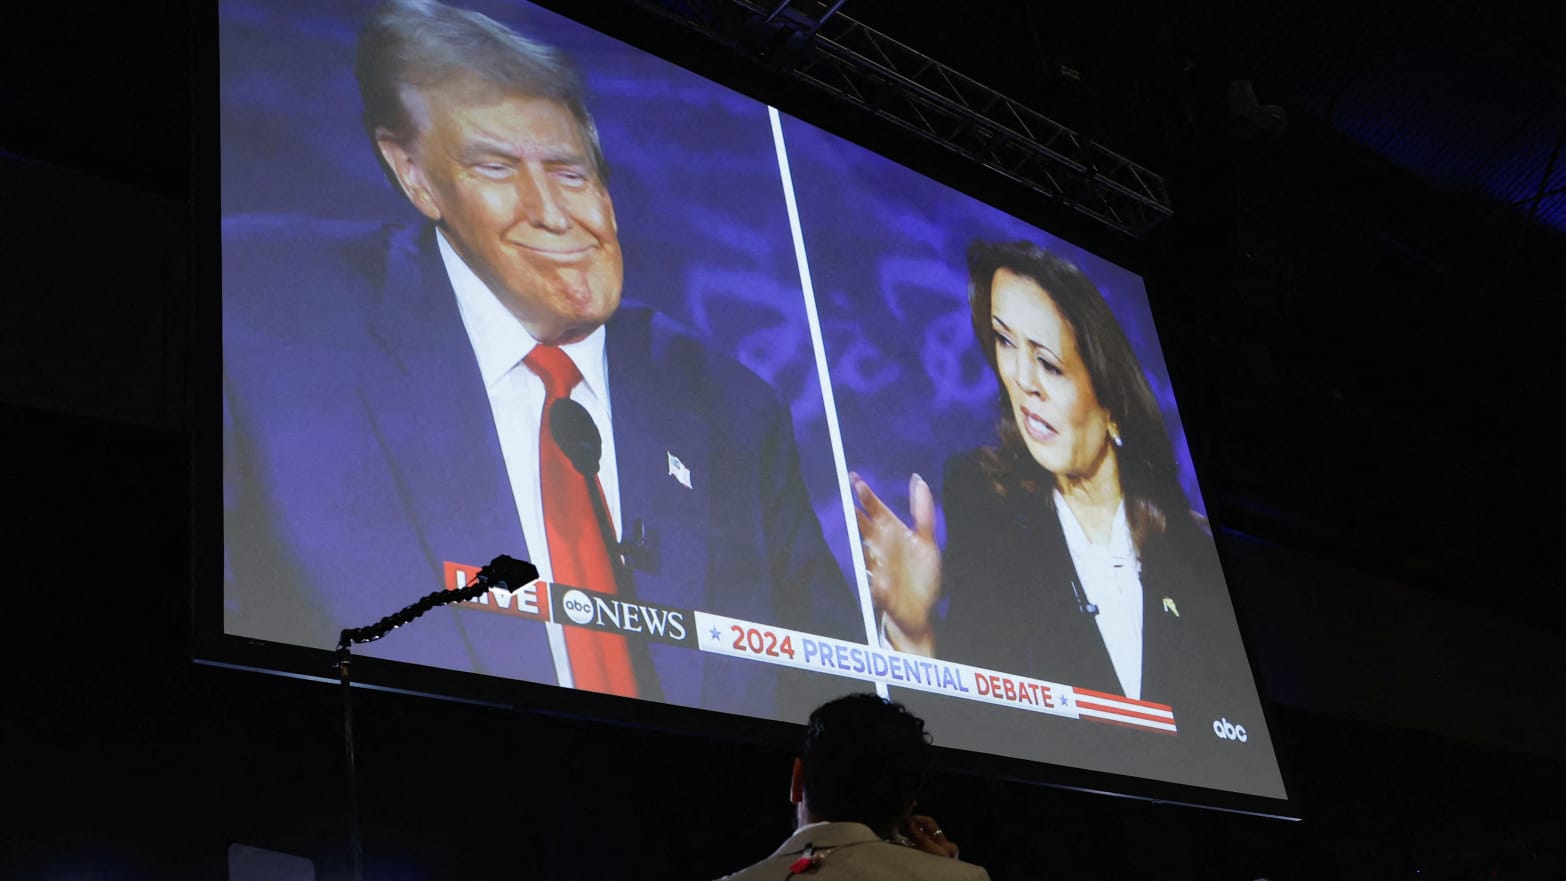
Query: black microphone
pixel 507 573
pixel 1083 605
pixel 577 435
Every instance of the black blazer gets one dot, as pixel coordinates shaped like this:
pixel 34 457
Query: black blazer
pixel 1009 605
pixel 1014 601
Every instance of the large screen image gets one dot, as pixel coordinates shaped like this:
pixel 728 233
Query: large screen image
pixel 775 417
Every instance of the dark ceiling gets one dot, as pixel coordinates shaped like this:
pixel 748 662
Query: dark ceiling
pixel 1469 96
pixel 1365 301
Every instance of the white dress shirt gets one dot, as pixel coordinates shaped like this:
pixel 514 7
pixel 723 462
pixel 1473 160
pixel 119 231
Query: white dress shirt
pixel 516 402
pixel 1111 578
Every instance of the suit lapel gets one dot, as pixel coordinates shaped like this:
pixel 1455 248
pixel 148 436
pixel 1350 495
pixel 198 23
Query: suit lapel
pixel 656 408
pixel 653 401
pixel 432 417
pixel 1164 623
pixel 1066 638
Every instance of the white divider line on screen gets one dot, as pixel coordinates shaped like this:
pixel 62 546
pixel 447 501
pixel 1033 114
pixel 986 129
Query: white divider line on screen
pixel 833 430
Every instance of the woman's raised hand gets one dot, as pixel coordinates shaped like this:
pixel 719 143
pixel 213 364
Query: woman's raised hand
pixel 904 564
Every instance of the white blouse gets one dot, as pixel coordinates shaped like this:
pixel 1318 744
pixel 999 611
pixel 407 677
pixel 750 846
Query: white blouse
pixel 1111 579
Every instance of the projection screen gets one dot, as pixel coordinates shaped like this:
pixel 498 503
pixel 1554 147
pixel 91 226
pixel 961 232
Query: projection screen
pixel 849 428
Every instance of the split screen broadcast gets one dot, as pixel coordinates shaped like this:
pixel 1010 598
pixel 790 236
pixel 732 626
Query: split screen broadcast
pixel 775 417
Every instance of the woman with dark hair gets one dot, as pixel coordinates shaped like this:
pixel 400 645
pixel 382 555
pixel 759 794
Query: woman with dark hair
pixel 1071 547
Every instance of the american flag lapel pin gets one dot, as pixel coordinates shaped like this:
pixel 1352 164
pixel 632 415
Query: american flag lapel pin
pixel 678 471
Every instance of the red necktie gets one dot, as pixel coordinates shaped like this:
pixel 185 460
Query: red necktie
pixel 577 555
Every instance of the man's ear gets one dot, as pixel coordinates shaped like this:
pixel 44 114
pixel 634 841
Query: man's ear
pixel 409 175
pixel 796 783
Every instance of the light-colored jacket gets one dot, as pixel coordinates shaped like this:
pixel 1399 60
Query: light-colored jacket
pixel 852 852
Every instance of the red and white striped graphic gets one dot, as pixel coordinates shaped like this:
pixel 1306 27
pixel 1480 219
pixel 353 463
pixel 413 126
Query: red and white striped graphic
pixel 1117 710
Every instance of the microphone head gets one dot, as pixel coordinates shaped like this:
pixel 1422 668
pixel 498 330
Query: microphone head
pixel 578 437
pixel 509 571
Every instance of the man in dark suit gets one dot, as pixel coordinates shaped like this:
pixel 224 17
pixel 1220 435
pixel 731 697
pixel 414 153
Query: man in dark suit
pixel 386 411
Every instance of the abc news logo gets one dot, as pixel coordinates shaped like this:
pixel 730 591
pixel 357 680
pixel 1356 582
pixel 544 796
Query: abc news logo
pixel 1227 730
pixel 608 613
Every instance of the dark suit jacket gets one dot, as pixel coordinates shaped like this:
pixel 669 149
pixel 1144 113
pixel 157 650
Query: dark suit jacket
pixel 1007 583
pixel 360 454
pixel 1009 553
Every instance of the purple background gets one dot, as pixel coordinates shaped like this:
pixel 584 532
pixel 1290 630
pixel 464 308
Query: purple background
pixel 887 249
pixel 705 232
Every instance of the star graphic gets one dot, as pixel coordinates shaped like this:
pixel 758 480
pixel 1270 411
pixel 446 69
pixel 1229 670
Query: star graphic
pixel 715 633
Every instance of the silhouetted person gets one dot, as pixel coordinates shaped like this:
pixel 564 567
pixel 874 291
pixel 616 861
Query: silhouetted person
pixel 854 786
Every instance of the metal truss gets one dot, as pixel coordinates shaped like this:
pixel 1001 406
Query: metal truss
pixel 870 70
pixel 1544 192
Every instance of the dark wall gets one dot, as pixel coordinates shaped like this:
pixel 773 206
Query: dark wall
pixel 1418 723
pixel 128 762
pixel 1415 731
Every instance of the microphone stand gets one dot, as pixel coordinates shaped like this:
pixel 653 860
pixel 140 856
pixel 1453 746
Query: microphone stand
pixel 501 572
pixel 355 847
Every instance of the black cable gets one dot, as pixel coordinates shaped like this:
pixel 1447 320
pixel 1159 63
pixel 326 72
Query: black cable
pixel 500 572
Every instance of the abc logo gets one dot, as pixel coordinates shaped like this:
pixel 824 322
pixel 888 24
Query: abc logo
pixel 1228 730
pixel 577 606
